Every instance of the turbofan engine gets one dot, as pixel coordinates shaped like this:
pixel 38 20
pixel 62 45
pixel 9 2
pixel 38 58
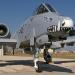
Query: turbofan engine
pixel 4 31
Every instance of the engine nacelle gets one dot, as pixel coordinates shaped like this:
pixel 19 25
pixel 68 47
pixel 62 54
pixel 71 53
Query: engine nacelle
pixel 4 31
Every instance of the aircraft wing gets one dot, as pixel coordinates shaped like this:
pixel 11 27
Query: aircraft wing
pixel 61 44
pixel 68 42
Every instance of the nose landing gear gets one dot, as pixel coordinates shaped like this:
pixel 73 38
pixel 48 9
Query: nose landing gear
pixel 47 56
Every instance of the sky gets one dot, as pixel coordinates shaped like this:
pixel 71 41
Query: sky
pixel 14 12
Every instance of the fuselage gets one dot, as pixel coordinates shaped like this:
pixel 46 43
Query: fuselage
pixel 46 25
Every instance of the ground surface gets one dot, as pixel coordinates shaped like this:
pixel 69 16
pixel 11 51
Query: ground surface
pixel 21 65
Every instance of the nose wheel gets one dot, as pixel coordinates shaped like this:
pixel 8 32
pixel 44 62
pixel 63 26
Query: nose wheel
pixel 47 56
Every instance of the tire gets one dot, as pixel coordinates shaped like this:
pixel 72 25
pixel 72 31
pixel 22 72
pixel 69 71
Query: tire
pixel 48 58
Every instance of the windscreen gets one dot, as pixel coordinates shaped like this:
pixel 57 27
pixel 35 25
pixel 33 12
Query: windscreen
pixel 50 8
pixel 41 9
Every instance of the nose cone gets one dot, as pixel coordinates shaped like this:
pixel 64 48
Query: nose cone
pixel 67 22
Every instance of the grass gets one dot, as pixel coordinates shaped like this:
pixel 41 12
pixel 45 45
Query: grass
pixel 68 55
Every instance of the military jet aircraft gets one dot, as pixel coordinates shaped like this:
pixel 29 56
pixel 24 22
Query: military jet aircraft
pixel 41 29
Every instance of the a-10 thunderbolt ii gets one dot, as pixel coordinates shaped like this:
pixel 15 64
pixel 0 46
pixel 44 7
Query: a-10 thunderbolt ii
pixel 43 28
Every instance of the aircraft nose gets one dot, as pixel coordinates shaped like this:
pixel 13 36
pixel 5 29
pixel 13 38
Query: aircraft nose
pixel 67 22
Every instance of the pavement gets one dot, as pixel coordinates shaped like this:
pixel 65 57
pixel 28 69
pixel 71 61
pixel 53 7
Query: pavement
pixel 21 65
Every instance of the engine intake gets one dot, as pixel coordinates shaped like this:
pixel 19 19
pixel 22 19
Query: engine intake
pixel 4 31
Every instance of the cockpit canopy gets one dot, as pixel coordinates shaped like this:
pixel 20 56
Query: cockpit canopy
pixel 43 8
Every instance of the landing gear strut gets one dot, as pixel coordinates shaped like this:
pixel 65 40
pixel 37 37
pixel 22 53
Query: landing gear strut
pixel 36 57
